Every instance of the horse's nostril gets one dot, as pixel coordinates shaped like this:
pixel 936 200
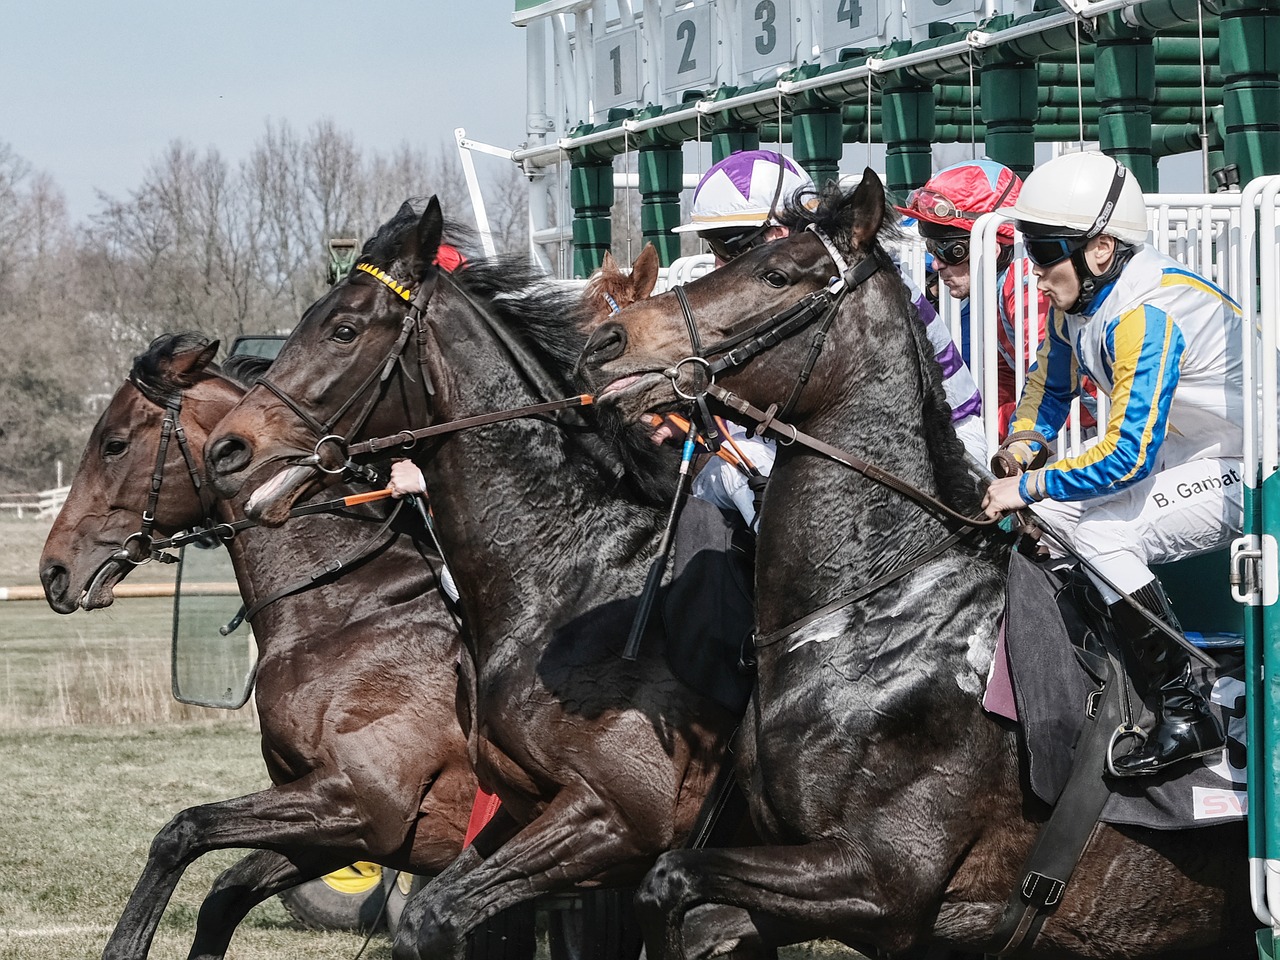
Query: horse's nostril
pixel 56 579
pixel 229 454
pixel 607 343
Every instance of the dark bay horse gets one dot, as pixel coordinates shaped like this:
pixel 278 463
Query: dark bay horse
pixel 356 677
pixel 548 527
pixel 892 805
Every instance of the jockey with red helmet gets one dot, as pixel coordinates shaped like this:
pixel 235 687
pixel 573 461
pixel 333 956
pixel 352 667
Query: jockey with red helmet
pixel 947 207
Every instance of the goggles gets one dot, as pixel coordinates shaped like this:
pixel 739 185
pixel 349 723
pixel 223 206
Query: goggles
pixel 1046 251
pixel 950 253
pixel 730 244
pixel 931 204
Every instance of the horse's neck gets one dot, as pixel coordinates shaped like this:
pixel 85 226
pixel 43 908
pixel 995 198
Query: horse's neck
pixel 529 536
pixel 829 527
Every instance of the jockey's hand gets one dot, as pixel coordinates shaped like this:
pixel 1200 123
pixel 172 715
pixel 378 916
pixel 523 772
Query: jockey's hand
pixel 1003 496
pixel 663 428
pixel 406 479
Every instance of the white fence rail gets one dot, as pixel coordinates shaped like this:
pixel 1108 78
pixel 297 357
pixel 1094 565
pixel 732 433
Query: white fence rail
pixel 42 504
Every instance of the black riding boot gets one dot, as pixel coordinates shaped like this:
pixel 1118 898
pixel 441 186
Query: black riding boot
pixel 1185 727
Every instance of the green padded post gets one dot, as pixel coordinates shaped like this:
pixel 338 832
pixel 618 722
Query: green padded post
pixel 907 109
pixel 661 175
pixel 1009 108
pixel 591 194
pixel 1249 32
pixel 733 139
pixel 817 141
pixel 1124 74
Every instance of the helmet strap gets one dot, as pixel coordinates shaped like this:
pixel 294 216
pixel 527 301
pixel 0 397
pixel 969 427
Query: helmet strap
pixel 1091 284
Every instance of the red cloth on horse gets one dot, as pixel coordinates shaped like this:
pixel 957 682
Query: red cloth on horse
pixel 483 808
pixel 449 258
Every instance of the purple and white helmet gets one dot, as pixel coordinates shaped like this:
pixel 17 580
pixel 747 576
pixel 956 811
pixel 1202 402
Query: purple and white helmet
pixel 745 189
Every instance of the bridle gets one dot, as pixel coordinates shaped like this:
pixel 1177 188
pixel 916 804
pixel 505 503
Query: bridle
pixel 141 547
pixel 325 431
pixel 820 307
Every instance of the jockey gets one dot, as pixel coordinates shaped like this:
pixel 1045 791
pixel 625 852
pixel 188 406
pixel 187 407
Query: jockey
pixel 946 208
pixel 1165 480
pixel 735 208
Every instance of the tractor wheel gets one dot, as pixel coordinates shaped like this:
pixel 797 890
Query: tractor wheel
pixel 347 899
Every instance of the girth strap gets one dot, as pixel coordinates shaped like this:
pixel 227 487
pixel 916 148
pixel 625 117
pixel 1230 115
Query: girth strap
pixel 1065 835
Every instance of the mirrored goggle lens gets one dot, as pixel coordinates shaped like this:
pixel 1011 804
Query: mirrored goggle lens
pixel 952 253
pixel 1046 251
pixel 728 246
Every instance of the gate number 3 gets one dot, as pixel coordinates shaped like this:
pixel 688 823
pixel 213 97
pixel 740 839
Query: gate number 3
pixel 767 13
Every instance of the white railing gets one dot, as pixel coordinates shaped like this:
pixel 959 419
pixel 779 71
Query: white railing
pixel 43 504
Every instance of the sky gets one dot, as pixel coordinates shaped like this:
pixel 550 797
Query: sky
pixel 95 91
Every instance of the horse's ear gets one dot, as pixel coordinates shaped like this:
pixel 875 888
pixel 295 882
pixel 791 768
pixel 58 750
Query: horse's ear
pixel 184 366
pixel 608 265
pixel 420 246
pixel 644 272
pixel 868 210
pixel 430 230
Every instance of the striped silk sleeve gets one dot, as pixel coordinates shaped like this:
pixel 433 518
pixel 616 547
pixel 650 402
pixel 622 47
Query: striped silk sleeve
pixel 1145 347
pixel 1051 384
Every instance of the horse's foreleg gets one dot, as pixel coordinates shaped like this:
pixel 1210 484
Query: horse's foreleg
pixel 813 888
pixel 578 837
pixel 298 816
pixel 244 885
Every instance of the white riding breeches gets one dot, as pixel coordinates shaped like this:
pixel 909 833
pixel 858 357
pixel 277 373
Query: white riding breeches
pixel 726 486
pixel 1177 512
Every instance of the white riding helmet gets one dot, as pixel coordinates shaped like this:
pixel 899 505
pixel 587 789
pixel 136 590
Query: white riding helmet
pixel 1074 191
pixel 745 189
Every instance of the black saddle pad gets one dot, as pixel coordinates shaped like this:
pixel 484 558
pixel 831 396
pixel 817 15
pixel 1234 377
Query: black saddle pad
pixel 707 608
pixel 1053 674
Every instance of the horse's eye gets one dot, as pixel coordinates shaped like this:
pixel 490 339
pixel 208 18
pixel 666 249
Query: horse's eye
pixel 343 333
pixel 775 278
pixel 114 447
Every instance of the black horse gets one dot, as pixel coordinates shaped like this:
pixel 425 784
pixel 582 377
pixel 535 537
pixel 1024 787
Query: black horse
pixel 601 763
pixel 892 804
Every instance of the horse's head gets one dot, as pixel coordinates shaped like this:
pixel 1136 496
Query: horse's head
pixel 639 358
pixel 127 487
pixel 610 289
pixel 355 347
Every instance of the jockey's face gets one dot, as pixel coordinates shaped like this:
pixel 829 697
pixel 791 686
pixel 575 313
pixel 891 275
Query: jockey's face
pixel 1060 283
pixel 956 278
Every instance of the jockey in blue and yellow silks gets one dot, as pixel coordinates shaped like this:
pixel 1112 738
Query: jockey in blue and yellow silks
pixel 1164 480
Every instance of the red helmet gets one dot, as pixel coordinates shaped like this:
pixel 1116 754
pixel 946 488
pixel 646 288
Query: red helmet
pixel 960 194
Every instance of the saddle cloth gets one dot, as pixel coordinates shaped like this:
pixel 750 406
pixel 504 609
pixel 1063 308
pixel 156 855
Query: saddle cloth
pixel 1043 675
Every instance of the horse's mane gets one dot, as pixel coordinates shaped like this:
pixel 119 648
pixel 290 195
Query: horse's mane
pixel 833 211
pixel 152 372
pixel 245 368
pixel 550 320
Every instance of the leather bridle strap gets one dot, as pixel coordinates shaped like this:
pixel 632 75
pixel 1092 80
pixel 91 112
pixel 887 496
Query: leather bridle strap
pixel 406 439
pixel 379 374
pixel 789 433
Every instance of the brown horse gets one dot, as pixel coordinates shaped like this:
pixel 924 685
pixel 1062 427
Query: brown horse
pixel 893 807
pixel 549 527
pixel 356 676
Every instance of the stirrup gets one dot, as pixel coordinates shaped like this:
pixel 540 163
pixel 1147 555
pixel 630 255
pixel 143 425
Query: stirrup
pixel 1120 733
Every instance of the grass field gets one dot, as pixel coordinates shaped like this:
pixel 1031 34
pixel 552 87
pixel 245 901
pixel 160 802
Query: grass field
pixel 96 756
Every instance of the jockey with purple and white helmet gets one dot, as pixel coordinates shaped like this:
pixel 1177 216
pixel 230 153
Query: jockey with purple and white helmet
pixel 735 208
